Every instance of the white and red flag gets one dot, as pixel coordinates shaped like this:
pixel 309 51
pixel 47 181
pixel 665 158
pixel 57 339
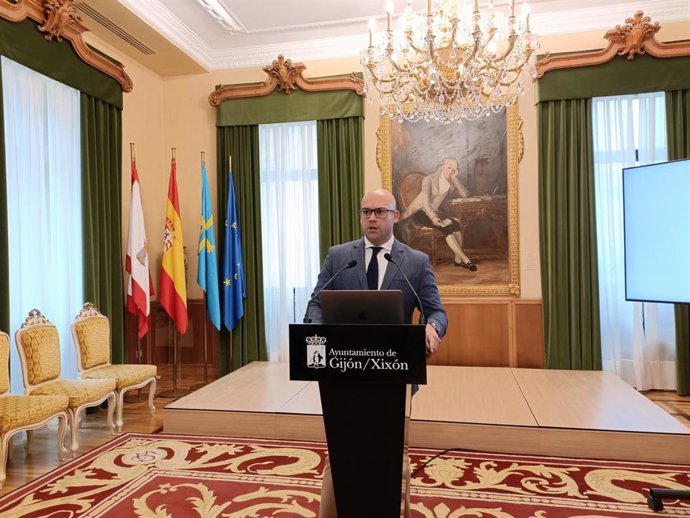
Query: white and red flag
pixel 139 285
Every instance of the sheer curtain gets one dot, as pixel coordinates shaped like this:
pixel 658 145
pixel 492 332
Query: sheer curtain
pixel 42 142
pixel 289 226
pixel 637 339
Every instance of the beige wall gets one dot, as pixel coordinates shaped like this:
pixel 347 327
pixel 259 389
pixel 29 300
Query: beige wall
pixel 174 112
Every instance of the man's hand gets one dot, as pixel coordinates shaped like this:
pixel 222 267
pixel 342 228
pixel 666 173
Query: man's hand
pixel 432 340
pixel 436 221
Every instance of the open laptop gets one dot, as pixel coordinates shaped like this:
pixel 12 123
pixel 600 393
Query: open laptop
pixel 362 307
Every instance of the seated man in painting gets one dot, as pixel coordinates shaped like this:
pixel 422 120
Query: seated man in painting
pixel 425 210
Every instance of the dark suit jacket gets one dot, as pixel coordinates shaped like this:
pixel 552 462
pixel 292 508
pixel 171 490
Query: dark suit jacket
pixel 414 263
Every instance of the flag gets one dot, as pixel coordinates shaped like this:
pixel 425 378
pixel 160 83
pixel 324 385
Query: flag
pixel 139 285
pixel 207 274
pixel 234 291
pixel 173 288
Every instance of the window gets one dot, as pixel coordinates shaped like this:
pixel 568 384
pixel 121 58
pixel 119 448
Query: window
pixel 43 155
pixel 638 339
pixel 289 226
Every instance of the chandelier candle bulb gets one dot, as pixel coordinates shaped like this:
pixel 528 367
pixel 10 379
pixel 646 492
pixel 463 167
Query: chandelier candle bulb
pixel 525 13
pixel 372 29
pixel 389 14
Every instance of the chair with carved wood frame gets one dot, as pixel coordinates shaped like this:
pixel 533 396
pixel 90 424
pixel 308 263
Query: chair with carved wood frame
pixel 91 334
pixel 25 413
pixel 424 238
pixel 38 343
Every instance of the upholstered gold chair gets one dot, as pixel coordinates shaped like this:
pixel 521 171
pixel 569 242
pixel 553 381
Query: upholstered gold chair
pixel 39 350
pixel 25 413
pixel 91 333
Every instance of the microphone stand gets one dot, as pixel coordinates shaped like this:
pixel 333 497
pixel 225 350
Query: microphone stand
pixel 388 257
pixel 349 265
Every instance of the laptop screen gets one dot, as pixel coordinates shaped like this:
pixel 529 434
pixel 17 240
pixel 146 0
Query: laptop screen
pixel 362 306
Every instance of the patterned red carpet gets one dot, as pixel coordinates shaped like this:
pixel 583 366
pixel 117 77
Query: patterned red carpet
pixel 174 476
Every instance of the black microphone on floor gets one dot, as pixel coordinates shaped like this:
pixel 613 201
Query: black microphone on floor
pixel 388 257
pixel 349 265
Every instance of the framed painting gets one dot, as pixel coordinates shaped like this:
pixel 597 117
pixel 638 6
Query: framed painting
pixel 456 189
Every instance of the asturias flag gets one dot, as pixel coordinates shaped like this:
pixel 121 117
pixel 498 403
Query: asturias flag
pixel 139 285
pixel 207 275
pixel 173 288
pixel 234 291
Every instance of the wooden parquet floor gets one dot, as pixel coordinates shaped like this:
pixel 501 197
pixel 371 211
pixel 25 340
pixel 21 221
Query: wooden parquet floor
pixel 94 432
pixel 677 406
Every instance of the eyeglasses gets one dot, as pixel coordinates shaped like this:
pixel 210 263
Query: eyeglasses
pixel 379 213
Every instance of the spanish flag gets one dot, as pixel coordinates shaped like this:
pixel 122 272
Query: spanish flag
pixel 173 289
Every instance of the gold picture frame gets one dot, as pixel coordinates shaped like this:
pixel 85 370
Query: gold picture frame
pixel 494 197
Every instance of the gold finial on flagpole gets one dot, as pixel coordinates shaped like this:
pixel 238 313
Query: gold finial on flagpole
pixel 203 158
pixel 132 157
pixel 229 162
pixel 172 153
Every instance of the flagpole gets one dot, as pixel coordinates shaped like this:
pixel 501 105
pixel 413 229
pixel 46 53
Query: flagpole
pixel 171 393
pixel 231 331
pixel 175 392
pixel 132 158
pixel 233 274
pixel 205 382
pixel 203 302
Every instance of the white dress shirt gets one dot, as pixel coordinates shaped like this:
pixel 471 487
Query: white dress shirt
pixel 383 263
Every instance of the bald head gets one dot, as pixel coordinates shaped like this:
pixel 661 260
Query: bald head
pixel 379 198
pixel 379 230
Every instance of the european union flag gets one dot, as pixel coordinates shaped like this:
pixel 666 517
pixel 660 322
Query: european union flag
pixel 234 291
pixel 207 275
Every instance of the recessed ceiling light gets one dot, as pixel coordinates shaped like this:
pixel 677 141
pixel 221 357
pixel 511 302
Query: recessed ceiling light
pixel 224 17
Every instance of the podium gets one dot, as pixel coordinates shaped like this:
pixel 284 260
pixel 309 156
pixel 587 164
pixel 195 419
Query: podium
pixel 364 373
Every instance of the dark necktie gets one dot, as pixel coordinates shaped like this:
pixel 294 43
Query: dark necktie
pixel 373 269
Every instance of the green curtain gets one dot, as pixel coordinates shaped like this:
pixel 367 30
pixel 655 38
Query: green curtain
pixel 298 106
pixel 619 76
pixel 341 180
pixel 101 130
pixel 4 238
pixel 23 43
pixel 568 236
pixel 678 132
pixel 247 343
pixel 101 141
pixel 339 115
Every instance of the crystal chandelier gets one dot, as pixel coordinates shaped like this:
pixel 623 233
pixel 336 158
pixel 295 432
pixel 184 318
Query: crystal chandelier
pixel 450 63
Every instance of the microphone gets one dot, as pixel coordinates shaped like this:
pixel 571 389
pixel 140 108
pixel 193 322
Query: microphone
pixel 349 265
pixel 388 257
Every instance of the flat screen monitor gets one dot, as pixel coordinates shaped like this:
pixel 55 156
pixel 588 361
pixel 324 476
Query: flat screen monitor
pixel 362 306
pixel 656 218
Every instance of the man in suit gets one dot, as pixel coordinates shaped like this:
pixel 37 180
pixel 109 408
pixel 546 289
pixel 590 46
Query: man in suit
pixel 378 214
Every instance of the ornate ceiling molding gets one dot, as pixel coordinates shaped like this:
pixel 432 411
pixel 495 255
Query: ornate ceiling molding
pixel 636 37
pixel 286 76
pixel 155 14
pixel 57 19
